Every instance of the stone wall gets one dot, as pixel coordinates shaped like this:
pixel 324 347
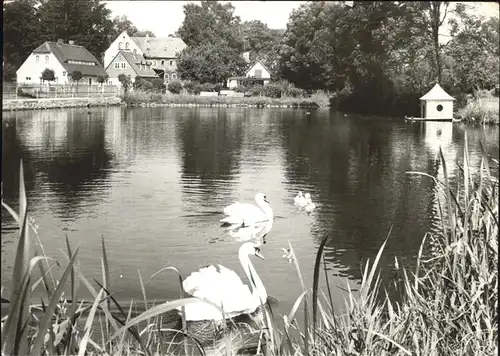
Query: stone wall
pixel 37 104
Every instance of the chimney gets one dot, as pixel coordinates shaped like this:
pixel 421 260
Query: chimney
pixel 60 41
pixel 71 42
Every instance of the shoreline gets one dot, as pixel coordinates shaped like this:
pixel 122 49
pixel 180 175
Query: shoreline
pixel 57 103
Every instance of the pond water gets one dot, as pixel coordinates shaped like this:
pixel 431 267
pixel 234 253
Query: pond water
pixel 153 182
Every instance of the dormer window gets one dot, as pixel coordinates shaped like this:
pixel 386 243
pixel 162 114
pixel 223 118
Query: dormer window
pixel 126 45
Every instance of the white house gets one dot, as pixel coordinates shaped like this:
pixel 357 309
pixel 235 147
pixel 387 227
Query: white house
pixel 437 105
pixel 161 52
pixel 63 59
pixel 257 72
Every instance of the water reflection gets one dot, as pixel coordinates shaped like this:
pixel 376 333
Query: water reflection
pixel 154 181
pixel 257 233
pixel 209 143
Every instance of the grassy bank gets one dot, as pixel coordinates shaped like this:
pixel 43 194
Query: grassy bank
pixel 138 98
pixel 448 303
pixel 480 110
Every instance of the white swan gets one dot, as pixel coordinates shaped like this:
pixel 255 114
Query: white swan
pixel 299 199
pixel 223 287
pixel 310 207
pixel 248 214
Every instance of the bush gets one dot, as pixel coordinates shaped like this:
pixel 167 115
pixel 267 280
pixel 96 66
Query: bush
pixel 175 87
pixel 192 87
pixel 218 87
pixel 158 84
pixel 273 90
pixel 256 90
pixel 207 87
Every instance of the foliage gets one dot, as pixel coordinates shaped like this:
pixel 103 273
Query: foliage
pixel 125 81
pixel 174 87
pixel 480 110
pixel 192 87
pixel 474 51
pixel 210 31
pixel 87 23
pixel 158 84
pixel 48 75
pixel 209 63
pixel 21 28
pixel 141 83
pixel 103 78
pixel 76 76
pixel 210 22
pixel 122 23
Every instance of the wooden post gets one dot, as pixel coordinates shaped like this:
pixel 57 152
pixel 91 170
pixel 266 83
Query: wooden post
pixel 421 109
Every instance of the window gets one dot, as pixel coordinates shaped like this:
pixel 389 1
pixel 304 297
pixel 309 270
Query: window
pixel 162 63
pixel 46 59
pixel 174 76
pixel 126 45
pixel 37 59
pixel 29 78
pixel 171 63
pixel 135 51
pixel 166 76
pixel 120 45
pixel 117 65
pixel 439 108
pixel 154 63
pixel 64 74
pixel 124 65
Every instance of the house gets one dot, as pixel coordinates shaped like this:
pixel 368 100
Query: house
pixel 63 59
pixel 437 105
pixel 257 72
pixel 162 52
pixel 130 64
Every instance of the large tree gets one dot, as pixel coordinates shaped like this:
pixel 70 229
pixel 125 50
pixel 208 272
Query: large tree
pixel 21 33
pixel 214 40
pixel 210 63
pixel 87 23
pixel 209 22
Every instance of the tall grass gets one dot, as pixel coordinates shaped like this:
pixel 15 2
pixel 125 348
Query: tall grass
pixel 448 303
pixel 480 110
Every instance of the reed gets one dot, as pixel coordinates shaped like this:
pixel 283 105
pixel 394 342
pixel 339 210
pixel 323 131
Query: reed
pixel 448 303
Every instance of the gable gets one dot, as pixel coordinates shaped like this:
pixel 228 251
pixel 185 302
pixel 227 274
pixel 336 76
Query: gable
pixel 258 65
pixel 134 62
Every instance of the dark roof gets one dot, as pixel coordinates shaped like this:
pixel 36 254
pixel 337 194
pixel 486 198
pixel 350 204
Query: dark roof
pixel 134 60
pixel 66 52
pixel 160 47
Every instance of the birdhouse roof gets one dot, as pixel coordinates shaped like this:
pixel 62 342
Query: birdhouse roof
pixel 437 93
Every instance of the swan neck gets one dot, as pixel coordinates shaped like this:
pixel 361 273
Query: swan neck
pixel 266 208
pixel 255 281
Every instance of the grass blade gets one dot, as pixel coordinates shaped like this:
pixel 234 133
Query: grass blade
pixel 317 266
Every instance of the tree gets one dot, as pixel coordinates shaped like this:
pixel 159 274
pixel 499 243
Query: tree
pixel 48 75
pixel 76 76
pixel 473 52
pixel 125 81
pixel 103 78
pixel 87 23
pixel 215 45
pixel 210 63
pixel 21 32
pixel 122 23
pixel 211 22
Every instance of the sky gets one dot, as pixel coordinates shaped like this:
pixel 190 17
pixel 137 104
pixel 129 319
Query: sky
pixel 165 17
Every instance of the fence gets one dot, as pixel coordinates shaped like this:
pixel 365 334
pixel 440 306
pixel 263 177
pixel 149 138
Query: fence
pixel 37 91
